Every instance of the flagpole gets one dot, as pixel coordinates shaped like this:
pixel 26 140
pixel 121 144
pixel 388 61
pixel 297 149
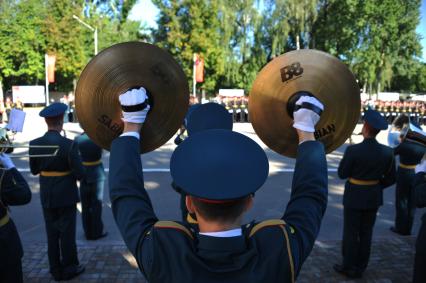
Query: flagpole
pixel 47 79
pixel 194 82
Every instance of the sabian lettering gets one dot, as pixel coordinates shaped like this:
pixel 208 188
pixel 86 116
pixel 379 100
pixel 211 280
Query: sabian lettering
pixel 325 131
pixel 288 72
pixel 107 121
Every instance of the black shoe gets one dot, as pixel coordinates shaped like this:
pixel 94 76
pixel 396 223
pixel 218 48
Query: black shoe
pixel 353 274
pixel 103 235
pixel 79 269
pixel 57 277
pixel 339 269
pixel 350 273
pixel 393 229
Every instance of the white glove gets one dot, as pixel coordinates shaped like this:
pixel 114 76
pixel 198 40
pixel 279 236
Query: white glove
pixel 134 97
pixel 306 119
pixel 6 162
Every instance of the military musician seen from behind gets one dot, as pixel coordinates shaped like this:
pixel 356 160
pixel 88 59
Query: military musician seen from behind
pixel 220 170
pixel 91 188
pixel 410 154
pixel 58 192
pixel 14 190
pixel 369 167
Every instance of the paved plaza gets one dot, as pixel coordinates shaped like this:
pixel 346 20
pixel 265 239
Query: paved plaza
pixel 107 260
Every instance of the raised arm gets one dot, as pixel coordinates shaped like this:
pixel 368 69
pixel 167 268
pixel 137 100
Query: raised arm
pixel 308 200
pixel 131 206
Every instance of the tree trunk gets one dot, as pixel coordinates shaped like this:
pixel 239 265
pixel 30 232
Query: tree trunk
pixel 297 42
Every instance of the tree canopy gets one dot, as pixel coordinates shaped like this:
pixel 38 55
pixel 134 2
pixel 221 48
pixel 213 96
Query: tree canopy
pixel 376 39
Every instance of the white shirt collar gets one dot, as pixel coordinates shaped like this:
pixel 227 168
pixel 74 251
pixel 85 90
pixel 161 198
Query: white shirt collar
pixel 224 234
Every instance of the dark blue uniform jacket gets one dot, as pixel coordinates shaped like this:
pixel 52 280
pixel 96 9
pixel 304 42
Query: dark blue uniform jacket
pixel 269 251
pixel 58 191
pixel 410 153
pixel 367 161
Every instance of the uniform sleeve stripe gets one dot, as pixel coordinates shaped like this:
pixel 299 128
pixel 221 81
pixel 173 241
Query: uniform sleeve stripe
pixel 290 255
pixel 266 223
pixel 173 225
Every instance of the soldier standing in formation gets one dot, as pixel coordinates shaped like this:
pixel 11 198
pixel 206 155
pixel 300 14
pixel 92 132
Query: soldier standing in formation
pixel 91 188
pixel 369 168
pixel 14 190
pixel 58 192
pixel 410 154
pixel 419 274
pixel 219 170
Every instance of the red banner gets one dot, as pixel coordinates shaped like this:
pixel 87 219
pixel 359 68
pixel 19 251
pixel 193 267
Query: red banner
pixel 199 69
pixel 51 60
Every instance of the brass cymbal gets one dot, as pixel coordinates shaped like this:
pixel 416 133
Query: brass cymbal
pixel 119 68
pixel 313 71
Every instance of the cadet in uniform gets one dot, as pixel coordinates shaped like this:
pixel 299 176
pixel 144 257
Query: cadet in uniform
pixel 410 154
pixel 58 192
pixel 219 170
pixel 202 117
pixel 419 185
pixel 91 188
pixel 369 168
pixel 14 190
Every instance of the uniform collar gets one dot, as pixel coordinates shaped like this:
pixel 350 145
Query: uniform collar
pixel 220 244
pixel 370 140
pixel 224 234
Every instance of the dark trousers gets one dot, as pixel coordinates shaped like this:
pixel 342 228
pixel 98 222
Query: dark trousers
pixel 357 233
pixel 91 202
pixel 404 201
pixel 419 274
pixel 61 246
pixel 11 272
pixel 10 254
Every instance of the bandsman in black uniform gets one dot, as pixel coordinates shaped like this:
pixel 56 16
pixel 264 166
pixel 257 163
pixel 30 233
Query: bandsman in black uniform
pixel 369 167
pixel 410 154
pixel 58 192
pixel 14 190
pixel 220 170
pixel 419 274
pixel 202 117
pixel 91 187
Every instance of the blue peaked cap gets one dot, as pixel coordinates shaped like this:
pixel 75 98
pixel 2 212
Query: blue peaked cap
pixel 53 110
pixel 219 164
pixel 208 116
pixel 375 119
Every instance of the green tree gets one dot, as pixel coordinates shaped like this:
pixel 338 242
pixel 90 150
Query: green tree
pixel 22 46
pixel 65 38
pixel 186 27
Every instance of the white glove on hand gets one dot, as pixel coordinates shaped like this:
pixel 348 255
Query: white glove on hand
pixel 6 162
pixel 305 119
pixel 134 97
